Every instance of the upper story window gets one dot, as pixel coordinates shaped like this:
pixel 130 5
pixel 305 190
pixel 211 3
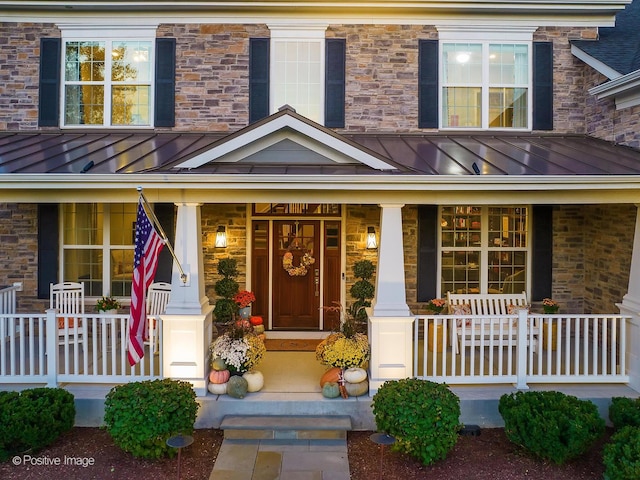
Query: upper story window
pixel 107 76
pixel 485 85
pixel 297 71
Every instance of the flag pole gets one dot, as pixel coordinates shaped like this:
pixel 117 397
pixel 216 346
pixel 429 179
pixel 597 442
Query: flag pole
pixel 183 276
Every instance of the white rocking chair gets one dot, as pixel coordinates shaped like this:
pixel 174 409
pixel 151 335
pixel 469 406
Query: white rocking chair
pixel 68 300
pixel 157 298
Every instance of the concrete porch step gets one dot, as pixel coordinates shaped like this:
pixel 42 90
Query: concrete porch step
pixel 286 427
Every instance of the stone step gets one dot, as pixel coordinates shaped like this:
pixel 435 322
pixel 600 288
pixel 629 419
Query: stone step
pixel 286 427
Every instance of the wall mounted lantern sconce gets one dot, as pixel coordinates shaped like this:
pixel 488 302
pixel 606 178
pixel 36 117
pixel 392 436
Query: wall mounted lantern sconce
pixel 372 243
pixel 221 237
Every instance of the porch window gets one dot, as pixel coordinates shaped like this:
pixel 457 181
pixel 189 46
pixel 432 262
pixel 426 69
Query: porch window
pixel 484 249
pixel 485 85
pixel 97 247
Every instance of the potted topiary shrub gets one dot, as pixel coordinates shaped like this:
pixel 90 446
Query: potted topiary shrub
pixel 226 308
pixel 363 290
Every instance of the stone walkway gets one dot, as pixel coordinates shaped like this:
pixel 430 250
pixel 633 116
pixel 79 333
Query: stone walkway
pixel 282 460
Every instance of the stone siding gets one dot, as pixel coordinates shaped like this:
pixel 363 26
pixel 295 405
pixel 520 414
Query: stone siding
pixel 604 121
pixel 19 73
pixel 212 71
pixel 19 253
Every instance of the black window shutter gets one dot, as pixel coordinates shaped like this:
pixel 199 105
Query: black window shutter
pixel 48 229
pixel 543 86
pixel 335 83
pixel 165 112
pixel 427 252
pixel 49 90
pixel 165 213
pixel 542 252
pixel 258 79
pixel 428 84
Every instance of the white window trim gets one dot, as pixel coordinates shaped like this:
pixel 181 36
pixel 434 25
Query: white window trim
pixel 486 35
pixel 304 33
pixel 107 33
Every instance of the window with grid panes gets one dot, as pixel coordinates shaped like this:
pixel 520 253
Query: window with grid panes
pixel 484 249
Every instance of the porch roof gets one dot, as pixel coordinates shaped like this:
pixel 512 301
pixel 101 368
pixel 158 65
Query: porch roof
pixel 432 154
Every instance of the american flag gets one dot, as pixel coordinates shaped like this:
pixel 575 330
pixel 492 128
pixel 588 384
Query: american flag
pixel 145 263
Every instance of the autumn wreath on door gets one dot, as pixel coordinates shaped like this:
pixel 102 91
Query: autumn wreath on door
pixel 297 271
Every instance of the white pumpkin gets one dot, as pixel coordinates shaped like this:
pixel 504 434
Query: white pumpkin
pixel 357 389
pixel 355 375
pixel 218 388
pixel 255 380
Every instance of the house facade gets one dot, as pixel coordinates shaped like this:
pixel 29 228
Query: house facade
pixel 467 139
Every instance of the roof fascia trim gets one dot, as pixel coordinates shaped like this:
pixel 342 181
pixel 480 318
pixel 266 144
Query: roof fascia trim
pixel 617 86
pixel 280 123
pixel 594 63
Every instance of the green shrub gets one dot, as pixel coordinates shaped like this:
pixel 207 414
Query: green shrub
pixel 225 289
pixel 33 419
pixel 423 417
pixel 621 456
pixel 624 411
pixel 551 425
pixel 141 416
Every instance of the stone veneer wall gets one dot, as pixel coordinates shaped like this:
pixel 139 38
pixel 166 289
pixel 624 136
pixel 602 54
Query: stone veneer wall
pixel 212 75
pixel 604 121
pixel 568 77
pixel 19 253
pixel 592 248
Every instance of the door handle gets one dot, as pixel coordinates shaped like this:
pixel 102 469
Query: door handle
pixel 316 281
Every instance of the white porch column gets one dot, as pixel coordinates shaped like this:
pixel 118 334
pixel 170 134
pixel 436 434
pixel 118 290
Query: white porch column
pixel 391 297
pixel 187 325
pixel 390 323
pixel 631 306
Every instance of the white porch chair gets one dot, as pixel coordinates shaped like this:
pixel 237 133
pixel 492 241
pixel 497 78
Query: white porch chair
pixel 157 298
pixel 68 300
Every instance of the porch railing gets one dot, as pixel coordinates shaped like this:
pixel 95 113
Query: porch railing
pixel 88 348
pixel 8 302
pixel 521 349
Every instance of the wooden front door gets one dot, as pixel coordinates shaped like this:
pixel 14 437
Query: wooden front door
pixel 293 302
pixel 296 288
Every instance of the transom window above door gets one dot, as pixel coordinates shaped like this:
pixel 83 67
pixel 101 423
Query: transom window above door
pixel 297 209
pixel 484 249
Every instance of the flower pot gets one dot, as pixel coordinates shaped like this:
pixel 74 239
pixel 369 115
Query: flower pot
pixel 244 312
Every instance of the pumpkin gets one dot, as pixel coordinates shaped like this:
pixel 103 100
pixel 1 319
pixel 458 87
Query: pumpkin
pixel 219 376
pixel 331 375
pixel 357 389
pixel 255 380
pixel 355 375
pixel 237 387
pixel 255 320
pixel 219 364
pixel 258 329
pixel 331 390
pixel 217 388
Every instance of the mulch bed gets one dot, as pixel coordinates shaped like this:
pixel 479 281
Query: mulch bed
pixel 484 457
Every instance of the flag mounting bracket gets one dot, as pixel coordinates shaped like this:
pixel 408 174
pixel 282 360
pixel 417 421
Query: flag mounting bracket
pixel 152 215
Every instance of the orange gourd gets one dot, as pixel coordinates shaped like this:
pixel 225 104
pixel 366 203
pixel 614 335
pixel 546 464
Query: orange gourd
pixel 219 376
pixel 331 375
pixel 256 320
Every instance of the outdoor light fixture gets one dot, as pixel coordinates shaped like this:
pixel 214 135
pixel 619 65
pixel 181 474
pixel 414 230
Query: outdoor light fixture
pixel 371 238
pixel 221 237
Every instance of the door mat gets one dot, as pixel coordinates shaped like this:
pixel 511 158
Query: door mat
pixel 292 344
